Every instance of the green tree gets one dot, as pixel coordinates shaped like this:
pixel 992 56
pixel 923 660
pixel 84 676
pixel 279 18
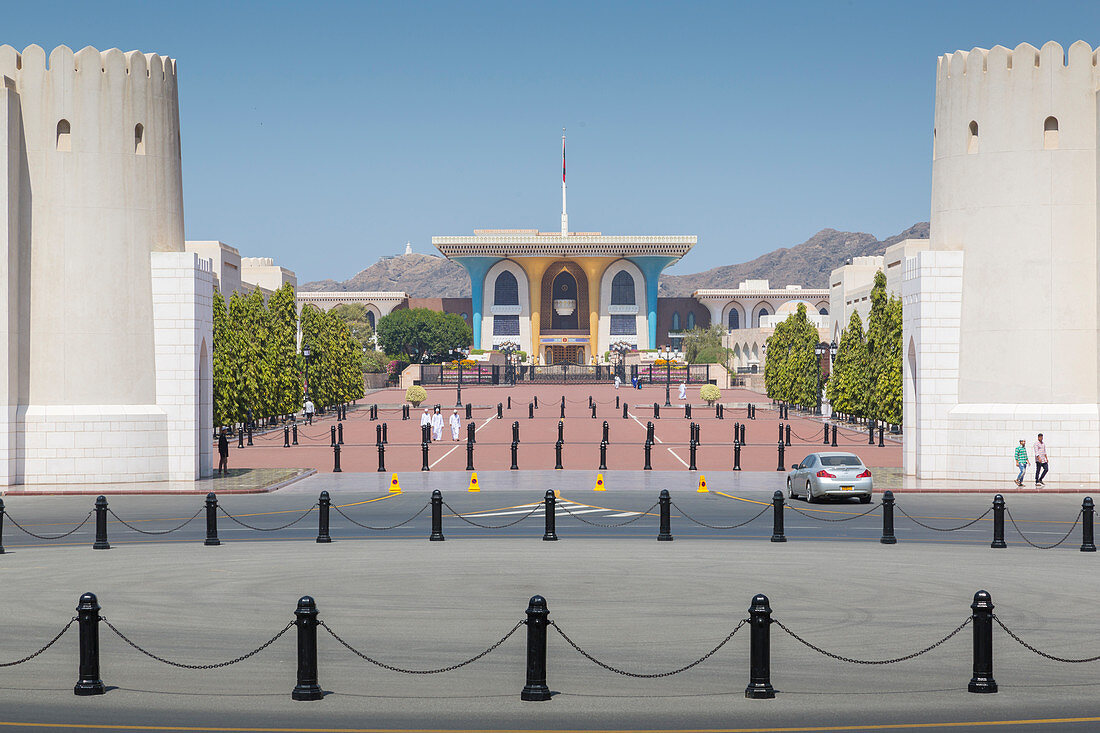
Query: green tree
pixel 849 382
pixel 280 367
pixel 879 348
pixel 421 333
pixel 355 315
pixel 776 375
pixel 224 358
pixel 704 345
pixel 802 366
pixel 888 385
pixel 252 322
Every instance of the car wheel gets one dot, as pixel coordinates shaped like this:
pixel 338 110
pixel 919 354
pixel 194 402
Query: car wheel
pixel 865 499
pixel 809 494
pixel 790 490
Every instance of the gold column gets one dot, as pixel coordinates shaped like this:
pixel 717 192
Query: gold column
pixel 535 267
pixel 593 270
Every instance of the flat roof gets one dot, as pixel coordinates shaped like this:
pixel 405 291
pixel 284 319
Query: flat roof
pixel 531 243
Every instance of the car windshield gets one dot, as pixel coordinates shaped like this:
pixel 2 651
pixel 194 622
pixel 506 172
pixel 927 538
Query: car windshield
pixel 840 461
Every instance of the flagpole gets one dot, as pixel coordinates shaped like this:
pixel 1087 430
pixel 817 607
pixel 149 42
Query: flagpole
pixel 564 215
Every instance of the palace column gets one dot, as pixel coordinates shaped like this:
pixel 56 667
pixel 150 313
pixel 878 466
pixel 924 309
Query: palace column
pixel 651 266
pixel 535 267
pixel 477 268
pixel 593 270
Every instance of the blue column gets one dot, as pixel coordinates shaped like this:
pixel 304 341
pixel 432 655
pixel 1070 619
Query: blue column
pixel 476 267
pixel 651 266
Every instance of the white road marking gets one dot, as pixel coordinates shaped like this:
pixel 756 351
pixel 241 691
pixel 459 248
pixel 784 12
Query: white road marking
pixel 452 450
pixel 681 460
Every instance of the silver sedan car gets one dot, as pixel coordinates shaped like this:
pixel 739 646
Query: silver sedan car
pixel 832 474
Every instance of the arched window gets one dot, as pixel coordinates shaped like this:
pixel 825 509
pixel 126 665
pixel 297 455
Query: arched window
pixel 465 316
pixel 506 290
pixel 691 320
pixel 622 289
pixel 972 138
pixel 734 319
pixel 139 139
pixel 760 316
pixel 370 319
pixel 64 144
pixel 1050 133
pixel 823 311
pixel 675 322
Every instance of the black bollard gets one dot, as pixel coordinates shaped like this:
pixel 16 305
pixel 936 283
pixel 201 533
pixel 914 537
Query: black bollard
pixel 87 615
pixel 425 434
pixel 593 411
pixel 888 537
pixel 787 428
pixel 760 664
pixel 530 410
pixel 385 433
pixel 825 439
pixel 625 407
pixel 880 443
pixel 870 432
pixel 424 456
pixel 323 503
pixel 561 431
pixel 780 432
pixel 664 533
pixel 250 435
pixel 500 411
pixel 616 402
pixel 381 457
pixel 536 402
pixel 998 523
pixel 736 432
pixel 606 428
pixel 1 526
pixel 515 457
pixel 101 542
pixel 469 411
pixel 982 620
pixel 340 433
pixel 536 690
pixel 648 451
pixel 687 411
pixel 691 453
pixel 294 434
pixel 550 504
pixel 736 456
pixel 240 437
pixel 779 466
pixel 509 402
pixel 603 461
pixel 557 455
pixel 470 430
pixel 286 437
pixel 649 432
pixel 212 521
pixel 305 618
pixel 336 459
pixel 777 517
pixel 515 431
pixel 469 456
pixel 833 444
pixel 591 403
pixel 743 433
pixel 374 412
pixel 562 415
pixel 656 411
pixel 332 434
pixel 1087 516
pixel 437 517
pixel 719 411
pixel 404 412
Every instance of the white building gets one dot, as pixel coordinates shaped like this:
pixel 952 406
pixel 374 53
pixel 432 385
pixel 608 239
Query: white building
pixel 105 319
pixel 378 303
pixel 1001 313
pixel 236 274
pixel 850 285
pixel 752 301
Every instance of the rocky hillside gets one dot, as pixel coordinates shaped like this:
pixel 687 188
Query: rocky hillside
pixel 807 264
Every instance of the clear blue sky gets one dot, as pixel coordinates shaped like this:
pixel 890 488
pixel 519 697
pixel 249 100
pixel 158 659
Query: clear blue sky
pixel 327 135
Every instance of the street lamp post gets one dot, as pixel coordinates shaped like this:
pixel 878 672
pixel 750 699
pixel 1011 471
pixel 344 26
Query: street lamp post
pixel 306 353
pixel 668 374
pixel 509 369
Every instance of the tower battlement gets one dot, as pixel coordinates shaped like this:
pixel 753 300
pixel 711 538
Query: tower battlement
pixel 33 60
pixel 1024 57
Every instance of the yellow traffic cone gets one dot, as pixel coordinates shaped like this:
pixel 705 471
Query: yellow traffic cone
pixel 474 488
pixel 702 485
pixel 599 483
pixel 395 485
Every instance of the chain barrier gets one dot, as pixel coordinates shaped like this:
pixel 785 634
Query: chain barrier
pixel 944 529
pixel 267 529
pixel 718 526
pixel 381 529
pixel 534 509
pixel 52 641
pixel 827 519
pixel 1029 647
pixel 124 523
pixel 654 675
pixel 1044 547
pixel 392 668
pixel 241 658
pixel 838 657
pixel 607 525
pixel 21 528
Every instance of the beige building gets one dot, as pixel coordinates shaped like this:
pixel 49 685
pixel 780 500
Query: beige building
pixel 850 285
pixel 236 274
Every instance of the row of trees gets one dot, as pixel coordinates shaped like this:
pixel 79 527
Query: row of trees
pixel 866 379
pixel 257 366
pixel 792 373
pixel 422 334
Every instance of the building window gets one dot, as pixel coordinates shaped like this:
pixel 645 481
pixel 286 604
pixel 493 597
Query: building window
pixel 506 290
pixel 623 325
pixel 64 144
pixel 823 311
pixel 370 319
pixel 734 319
pixel 972 139
pixel 675 322
pixel 1050 133
pixel 506 325
pixel 139 139
pixel 760 316
pixel 691 321
pixel 622 289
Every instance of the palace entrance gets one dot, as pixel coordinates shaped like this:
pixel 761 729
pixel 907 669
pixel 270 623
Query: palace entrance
pixel 565 355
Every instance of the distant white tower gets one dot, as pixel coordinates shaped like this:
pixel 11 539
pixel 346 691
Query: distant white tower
pixel 408 248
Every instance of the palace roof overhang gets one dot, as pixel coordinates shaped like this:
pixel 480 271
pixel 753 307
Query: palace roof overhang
pixel 570 245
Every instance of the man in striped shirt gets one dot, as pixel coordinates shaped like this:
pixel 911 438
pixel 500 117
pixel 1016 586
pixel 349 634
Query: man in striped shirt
pixel 1021 461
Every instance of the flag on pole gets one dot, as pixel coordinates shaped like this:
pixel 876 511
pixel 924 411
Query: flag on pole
pixel 563 158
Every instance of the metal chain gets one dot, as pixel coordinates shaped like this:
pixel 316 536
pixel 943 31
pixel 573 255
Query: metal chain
pixel 44 537
pixel 392 668
pixel 52 641
pixel 1029 647
pixel 655 675
pixel 380 529
pixel 493 526
pixel 163 531
pixel 826 519
pixel 1044 547
pixel 268 529
pixel 608 525
pixel 907 657
pixel 944 529
pixel 718 526
pixel 241 658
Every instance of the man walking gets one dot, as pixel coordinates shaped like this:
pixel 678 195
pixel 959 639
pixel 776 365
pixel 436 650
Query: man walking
pixel 223 453
pixel 308 408
pixel 683 390
pixel 1021 461
pixel 456 425
pixel 1040 449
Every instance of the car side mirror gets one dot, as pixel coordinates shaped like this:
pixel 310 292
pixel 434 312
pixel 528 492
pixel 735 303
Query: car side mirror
pixel 794 466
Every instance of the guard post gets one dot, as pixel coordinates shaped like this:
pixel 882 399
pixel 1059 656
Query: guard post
pixel 1088 513
pixel 760 664
pixel 101 542
pixel 437 517
pixel 87 617
pixel 323 503
pixel 998 523
pixel 777 517
pixel 305 618
pixel 664 534
pixel 982 620
pixel 211 521
pixel 550 531
pixel 888 537
pixel 536 689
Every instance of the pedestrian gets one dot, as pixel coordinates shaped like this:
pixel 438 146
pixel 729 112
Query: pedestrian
pixel 308 408
pixel 456 424
pixel 1021 461
pixel 426 420
pixel 683 390
pixel 437 424
pixel 223 453
pixel 1040 449
pixel 617 381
